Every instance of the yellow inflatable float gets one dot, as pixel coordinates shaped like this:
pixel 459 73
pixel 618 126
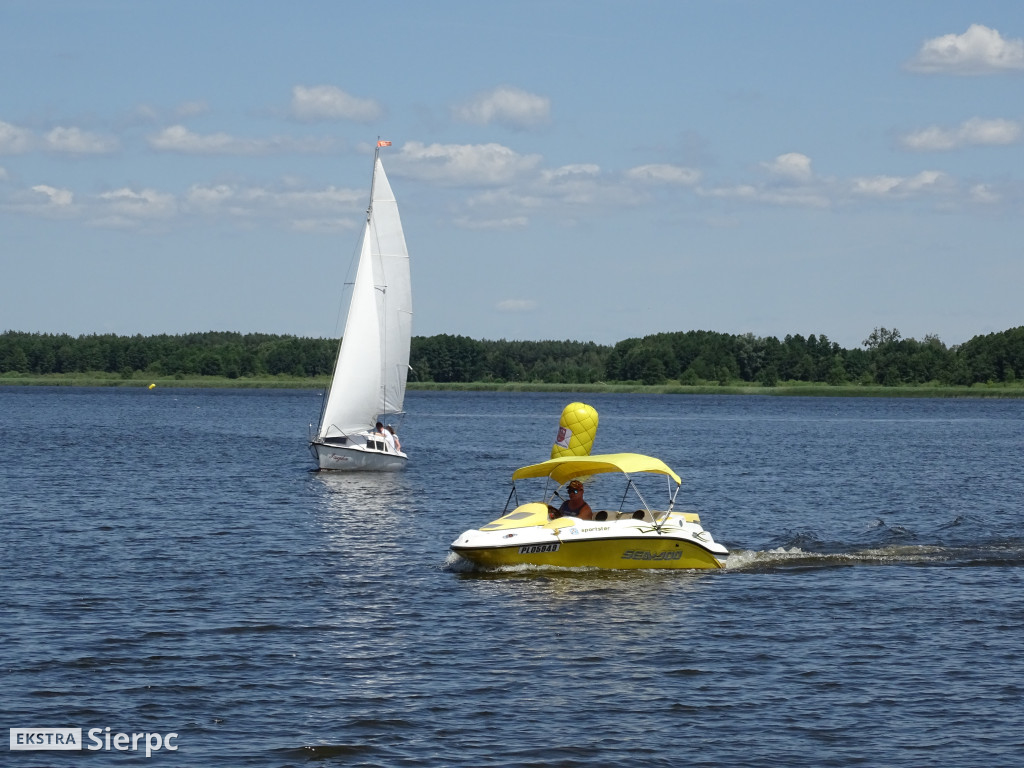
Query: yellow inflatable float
pixel 576 431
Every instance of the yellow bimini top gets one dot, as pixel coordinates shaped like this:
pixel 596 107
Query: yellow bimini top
pixel 565 468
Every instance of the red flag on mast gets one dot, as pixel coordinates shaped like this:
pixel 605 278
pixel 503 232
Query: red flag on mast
pixel 383 144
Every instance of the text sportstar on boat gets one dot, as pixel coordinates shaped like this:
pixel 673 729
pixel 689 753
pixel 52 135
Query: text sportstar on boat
pixel 373 357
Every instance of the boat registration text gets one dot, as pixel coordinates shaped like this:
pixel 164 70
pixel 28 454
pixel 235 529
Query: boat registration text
pixel 534 549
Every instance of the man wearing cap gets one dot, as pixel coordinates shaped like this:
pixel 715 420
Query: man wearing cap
pixel 574 505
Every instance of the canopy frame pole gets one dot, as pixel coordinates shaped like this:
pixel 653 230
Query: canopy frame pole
pixel 509 499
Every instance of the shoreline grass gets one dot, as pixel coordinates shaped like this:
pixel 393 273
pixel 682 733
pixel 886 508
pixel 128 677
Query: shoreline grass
pixel 785 389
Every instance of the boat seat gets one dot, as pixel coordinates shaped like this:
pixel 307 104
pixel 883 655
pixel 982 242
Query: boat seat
pixel 602 515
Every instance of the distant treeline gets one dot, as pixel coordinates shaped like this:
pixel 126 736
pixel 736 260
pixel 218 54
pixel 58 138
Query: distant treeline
pixel 689 357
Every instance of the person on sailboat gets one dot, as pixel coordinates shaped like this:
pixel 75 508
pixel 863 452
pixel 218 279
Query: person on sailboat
pixel 394 437
pixel 574 505
pixel 386 436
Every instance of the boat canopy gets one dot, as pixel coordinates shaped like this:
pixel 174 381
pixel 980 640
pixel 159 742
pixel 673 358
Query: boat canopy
pixel 565 468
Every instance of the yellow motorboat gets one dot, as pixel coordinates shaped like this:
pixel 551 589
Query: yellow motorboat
pixel 617 530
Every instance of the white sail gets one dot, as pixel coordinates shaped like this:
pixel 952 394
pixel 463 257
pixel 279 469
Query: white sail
pixel 373 361
pixel 394 291
pixel 355 389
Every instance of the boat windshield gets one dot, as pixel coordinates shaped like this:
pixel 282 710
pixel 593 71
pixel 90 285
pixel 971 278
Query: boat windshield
pixel 614 492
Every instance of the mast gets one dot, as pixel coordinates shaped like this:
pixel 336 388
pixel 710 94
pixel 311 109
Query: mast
pixel 383 289
pixel 373 179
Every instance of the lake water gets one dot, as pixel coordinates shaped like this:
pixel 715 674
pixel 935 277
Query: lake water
pixel 170 565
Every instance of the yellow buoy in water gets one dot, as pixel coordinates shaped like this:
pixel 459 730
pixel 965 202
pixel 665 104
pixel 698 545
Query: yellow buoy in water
pixel 576 431
pixel 152 385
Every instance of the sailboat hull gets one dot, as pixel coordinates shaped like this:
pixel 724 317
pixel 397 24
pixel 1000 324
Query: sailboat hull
pixel 352 458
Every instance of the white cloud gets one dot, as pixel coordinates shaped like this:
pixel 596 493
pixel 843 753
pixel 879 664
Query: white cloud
pixel 78 142
pixel 301 206
pixel 791 165
pixel 990 132
pixel 798 197
pixel 983 193
pixel 465 164
pixel 44 200
pixel 573 171
pixel 3 173
pixel 330 199
pixel 900 186
pixel 508 106
pixel 978 51
pixel 737 191
pixel 516 305
pixel 14 140
pixel 55 197
pixel 933 138
pixel 178 138
pixel 665 174
pixel 529 188
pixel 122 208
pixel 326 102
pixel 207 199
pixel 582 186
pixel 512 222
pixel 973 132
pixel 147 204
pixel 792 183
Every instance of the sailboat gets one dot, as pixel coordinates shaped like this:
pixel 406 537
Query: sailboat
pixel 373 358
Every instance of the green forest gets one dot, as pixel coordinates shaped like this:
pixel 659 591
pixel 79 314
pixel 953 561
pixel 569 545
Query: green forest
pixel 884 358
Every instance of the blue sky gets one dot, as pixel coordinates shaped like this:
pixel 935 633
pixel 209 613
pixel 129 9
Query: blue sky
pixel 566 170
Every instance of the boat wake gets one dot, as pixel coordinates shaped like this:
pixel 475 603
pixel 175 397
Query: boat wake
pixel 1008 553
pixel 457 564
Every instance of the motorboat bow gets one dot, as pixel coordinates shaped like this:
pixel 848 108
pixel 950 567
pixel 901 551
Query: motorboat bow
pixel 624 534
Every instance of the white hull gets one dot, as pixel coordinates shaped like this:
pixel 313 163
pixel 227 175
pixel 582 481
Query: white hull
pixel 353 458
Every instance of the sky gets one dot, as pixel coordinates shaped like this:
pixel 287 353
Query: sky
pixel 590 170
